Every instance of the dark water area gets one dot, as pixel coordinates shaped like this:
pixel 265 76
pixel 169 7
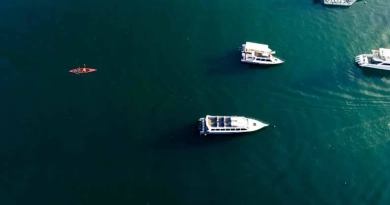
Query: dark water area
pixel 126 134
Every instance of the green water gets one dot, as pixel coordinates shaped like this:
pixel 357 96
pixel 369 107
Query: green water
pixel 127 133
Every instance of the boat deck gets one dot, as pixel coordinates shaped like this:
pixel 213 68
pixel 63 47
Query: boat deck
pixel 263 54
pixel 219 121
pixel 382 56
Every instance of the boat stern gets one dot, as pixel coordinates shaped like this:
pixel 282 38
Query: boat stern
pixel 243 56
pixel 254 125
pixel 362 60
pixel 202 126
pixel 242 48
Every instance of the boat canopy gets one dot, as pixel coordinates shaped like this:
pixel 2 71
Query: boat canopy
pixel 385 53
pixel 257 47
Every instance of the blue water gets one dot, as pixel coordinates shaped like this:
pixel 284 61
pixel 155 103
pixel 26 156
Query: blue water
pixel 126 134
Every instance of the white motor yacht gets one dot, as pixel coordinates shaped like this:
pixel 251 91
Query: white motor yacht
pixel 378 59
pixel 228 125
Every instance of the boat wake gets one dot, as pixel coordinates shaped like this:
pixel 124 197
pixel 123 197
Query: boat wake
pixel 365 135
pixel 325 100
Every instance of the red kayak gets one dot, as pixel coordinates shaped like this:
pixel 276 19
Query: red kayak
pixel 82 70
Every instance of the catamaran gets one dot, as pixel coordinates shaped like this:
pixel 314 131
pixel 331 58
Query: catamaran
pixel 256 53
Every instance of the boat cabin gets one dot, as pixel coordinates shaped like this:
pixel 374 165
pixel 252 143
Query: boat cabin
pixel 383 54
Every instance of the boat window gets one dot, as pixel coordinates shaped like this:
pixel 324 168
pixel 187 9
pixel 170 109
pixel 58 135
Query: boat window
pixel 268 60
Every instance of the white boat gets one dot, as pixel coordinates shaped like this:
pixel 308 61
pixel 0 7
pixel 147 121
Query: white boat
pixel 258 54
pixel 228 125
pixel 338 2
pixel 378 59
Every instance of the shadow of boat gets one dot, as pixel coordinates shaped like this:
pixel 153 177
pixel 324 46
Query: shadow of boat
pixel 188 136
pixel 337 6
pixel 260 66
pixel 317 1
pixel 334 6
pixel 378 73
pixel 231 64
pixel 227 64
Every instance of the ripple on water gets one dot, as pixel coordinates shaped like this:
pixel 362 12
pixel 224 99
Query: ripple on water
pixel 363 135
pixel 322 99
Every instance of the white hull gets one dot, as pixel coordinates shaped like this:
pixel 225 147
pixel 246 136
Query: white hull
pixel 366 61
pixel 338 2
pixel 263 62
pixel 224 125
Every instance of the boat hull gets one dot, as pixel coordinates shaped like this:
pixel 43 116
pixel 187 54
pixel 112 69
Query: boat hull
pixel 262 62
pixel 338 2
pixel 376 67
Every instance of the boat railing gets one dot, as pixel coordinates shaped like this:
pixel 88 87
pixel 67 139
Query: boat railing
pixel 260 121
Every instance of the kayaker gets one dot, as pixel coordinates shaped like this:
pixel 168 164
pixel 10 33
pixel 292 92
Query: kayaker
pixel 78 70
pixel 84 70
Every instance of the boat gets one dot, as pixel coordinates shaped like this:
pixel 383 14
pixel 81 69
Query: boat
pixel 338 2
pixel 82 70
pixel 88 70
pixel 378 59
pixel 228 125
pixel 256 53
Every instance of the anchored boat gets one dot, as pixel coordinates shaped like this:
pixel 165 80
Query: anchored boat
pixel 378 59
pixel 228 125
pixel 256 53
pixel 338 2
